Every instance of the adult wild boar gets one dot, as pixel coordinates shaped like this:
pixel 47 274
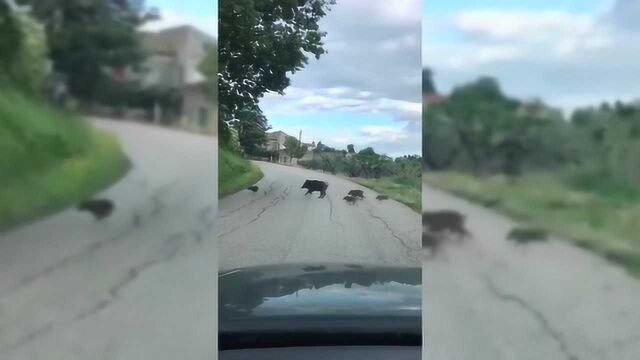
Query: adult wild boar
pixel 316 185
pixel 437 221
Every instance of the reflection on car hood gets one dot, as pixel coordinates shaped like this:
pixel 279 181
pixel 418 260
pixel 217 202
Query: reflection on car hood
pixel 317 296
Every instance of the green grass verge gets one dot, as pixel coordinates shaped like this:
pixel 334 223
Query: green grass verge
pixel 594 221
pixel 38 193
pixel 49 159
pixel 406 192
pixel 235 173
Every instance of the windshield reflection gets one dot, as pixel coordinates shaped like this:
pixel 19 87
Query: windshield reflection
pixel 280 290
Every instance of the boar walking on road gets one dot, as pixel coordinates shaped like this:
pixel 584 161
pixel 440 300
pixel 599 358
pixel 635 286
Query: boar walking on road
pixel 438 221
pixel 316 185
pixel 350 199
pixel 253 188
pixel 357 194
pixel 99 208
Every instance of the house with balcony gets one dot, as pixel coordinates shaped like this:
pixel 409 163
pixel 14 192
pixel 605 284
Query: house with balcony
pixel 172 63
pixel 275 144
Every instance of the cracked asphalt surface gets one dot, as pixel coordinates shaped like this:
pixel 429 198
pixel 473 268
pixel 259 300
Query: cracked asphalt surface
pixel 280 224
pixel 140 284
pixel 490 299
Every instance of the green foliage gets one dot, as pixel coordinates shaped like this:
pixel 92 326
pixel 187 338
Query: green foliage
pixel 409 194
pixel 428 87
pixel 251 126
pixel 49 159
pixel 479 129
pixel 350 149
pixel 23 51
pixel 35 137
pixel 294 148
pixel 85 38
pixel 367 164
pixel 235 173
pixel 260 43
pixel 527 234
pixel 11 37
pixel 322 148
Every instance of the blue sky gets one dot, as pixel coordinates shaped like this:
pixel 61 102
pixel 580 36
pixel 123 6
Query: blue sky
pixel 367 89
pixel 200 13
pixel 569 53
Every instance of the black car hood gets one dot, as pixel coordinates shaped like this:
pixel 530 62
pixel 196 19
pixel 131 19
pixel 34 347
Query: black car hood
pixel 321 303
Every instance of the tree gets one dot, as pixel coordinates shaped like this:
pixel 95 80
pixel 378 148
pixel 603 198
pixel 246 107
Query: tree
pixel 260 43
pixel 294 148
pixel 251 126
pixel 428 87
pixel 368 151
pixel 86 38
pixel 11 37
pixel 440 144
pixel 322 148
pixel 350 149
pixel 23 51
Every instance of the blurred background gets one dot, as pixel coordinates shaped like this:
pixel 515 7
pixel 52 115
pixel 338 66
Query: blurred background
pixel 530 130
pixel 108 174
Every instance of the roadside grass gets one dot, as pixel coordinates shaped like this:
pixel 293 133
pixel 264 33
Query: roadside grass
pixel 235 173
pixel 50 159
pixel 406 191
pixel 605 225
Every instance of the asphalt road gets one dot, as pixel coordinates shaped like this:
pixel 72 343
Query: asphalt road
pixel 280 224
pixel 489 299
pixel 139 285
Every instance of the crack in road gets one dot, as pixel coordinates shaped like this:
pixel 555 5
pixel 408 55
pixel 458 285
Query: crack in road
pixel 135 271
pixel 331 213
pixel 536 314
pixel 87 251
pixel 249 203
pixel 94 247
pixel 114 293
pixel 273 203
pixel 39 332
pixel 386 224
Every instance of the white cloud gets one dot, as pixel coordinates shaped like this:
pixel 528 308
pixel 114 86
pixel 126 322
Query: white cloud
pixel 395 44
pixel 308 101
pixel 567 59
pixel 172 18
pixel 496 25
pixel 383 134
pixel 508 35
pixel 337 90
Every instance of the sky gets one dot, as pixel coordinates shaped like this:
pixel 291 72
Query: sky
pixel 367 90
pixel 569 53
pixel 202 14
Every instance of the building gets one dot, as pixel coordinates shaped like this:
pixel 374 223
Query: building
pixel 174 57
pixel 276 145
